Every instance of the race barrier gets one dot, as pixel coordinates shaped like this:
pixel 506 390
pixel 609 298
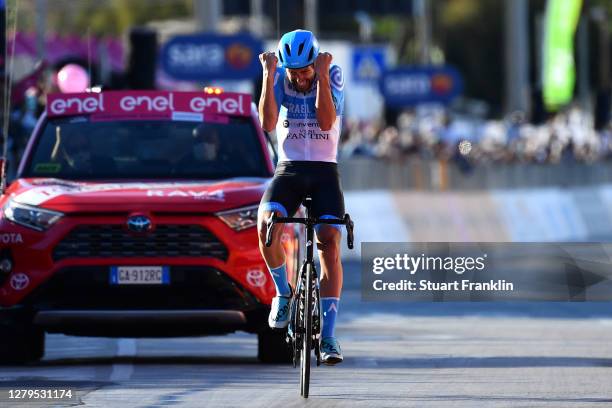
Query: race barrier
pixel 441 175
pixel 553 214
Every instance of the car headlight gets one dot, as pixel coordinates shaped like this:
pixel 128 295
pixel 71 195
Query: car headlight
pixel 240 218
pixel 31 216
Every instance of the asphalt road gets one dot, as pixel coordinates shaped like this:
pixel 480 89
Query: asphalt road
pixel 396 355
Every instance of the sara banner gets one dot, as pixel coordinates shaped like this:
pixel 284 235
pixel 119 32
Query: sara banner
pixel 209 56
pixel 559 74
pixel 407 86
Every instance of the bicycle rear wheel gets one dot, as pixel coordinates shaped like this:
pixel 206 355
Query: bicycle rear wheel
pixel 307 334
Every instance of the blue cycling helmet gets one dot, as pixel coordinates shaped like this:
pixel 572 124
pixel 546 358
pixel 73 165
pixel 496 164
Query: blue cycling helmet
pixel 297 49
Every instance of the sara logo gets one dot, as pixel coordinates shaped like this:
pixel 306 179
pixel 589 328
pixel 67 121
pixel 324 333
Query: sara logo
pixel 238 56
pixel 256 278
pixel 139 223
pixel 20 281
pixel 409 86
pixel 441 83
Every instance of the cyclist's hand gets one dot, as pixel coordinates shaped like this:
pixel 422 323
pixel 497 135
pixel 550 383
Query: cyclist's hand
pixel 268 62
pixel 322 63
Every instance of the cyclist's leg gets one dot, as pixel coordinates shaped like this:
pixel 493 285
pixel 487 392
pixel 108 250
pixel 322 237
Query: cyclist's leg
pixel 328 243
pixel 283 196
pixel 328 202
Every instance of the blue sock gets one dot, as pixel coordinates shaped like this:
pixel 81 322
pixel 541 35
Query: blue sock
pixel 330 310
pixel 279 276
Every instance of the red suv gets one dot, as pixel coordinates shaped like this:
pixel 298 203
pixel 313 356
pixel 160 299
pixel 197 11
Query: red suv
pixel 134 214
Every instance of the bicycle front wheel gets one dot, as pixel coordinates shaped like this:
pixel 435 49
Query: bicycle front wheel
pixel 307 334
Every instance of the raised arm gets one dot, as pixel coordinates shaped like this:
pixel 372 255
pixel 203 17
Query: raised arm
pixel 326 111
pixel 268 108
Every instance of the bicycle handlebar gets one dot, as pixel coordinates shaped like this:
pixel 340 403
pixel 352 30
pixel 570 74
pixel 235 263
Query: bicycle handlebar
pixel 346 221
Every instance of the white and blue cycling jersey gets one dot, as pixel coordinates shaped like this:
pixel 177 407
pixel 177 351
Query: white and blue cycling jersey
pixel 299 135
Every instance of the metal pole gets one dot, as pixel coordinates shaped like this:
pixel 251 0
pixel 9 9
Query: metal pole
pixel 583 63
pixel 600 16
pixel 207 13
pixel 539 53
pixel 517 56
pixel 41 28
pixel 365 26
pixel 422 19
pixel 310 20
pixel 257 17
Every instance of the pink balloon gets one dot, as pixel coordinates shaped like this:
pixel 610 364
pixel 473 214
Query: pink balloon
pixel 72 78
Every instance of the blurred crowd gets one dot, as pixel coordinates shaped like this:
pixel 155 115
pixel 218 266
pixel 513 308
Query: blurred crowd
pixel 434 133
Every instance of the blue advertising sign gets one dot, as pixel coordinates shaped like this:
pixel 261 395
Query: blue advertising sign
pixel 407 86
pixel 368 64
pixel 212 56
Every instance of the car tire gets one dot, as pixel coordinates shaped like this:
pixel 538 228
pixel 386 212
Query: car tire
pixel 21 344
pixel 272 347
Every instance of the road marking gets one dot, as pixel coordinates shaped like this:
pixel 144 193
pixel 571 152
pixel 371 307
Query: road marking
pixel 125 348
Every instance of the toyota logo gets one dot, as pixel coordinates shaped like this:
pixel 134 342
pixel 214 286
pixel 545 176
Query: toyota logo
pixel 139 223
pixel 256 278
pixel 20 281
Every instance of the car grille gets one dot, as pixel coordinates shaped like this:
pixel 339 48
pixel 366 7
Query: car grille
pixel 96 241
pixel 191 287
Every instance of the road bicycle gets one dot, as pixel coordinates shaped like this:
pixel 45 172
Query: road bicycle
pixel 303 332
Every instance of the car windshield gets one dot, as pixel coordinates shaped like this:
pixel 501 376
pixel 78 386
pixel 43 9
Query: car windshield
pixel 79 149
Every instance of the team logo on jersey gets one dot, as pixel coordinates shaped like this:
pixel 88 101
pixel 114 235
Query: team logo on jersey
pixel 285 123
pixel 336 77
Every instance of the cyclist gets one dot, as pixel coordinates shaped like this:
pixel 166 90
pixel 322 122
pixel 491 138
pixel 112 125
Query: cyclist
pixel 304 101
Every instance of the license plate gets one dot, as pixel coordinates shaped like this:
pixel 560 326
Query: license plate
pixel 140 275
